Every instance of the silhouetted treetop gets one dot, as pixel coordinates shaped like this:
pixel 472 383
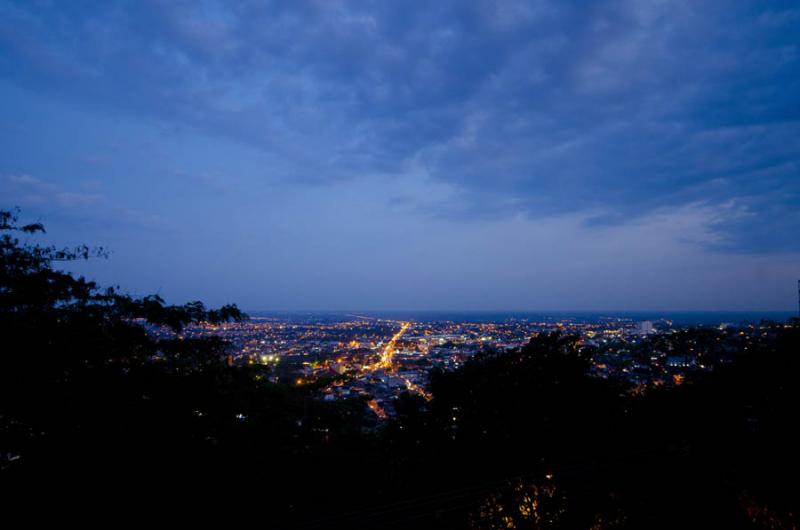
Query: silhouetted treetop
pixel 30 285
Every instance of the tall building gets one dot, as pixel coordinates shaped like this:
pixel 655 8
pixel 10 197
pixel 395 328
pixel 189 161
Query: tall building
pixel 646 327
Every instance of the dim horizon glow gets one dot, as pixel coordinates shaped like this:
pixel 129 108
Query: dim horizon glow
pixel 287 156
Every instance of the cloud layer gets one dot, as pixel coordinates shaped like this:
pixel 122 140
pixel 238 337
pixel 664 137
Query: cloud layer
pixel 614 113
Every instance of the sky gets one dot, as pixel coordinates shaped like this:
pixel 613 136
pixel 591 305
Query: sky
pixel 449 155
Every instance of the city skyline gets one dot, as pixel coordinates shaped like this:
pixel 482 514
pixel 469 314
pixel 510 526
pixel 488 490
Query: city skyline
pixel 627 156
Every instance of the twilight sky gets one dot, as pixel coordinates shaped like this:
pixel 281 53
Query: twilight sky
pixel 543 155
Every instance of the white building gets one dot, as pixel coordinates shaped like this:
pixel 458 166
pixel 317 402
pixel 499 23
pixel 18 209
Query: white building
pixel 646 328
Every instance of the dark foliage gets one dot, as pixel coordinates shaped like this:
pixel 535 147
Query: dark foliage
pixel 89 399
pixel 514 440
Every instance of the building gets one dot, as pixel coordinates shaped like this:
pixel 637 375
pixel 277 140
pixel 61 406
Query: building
pixel 646 328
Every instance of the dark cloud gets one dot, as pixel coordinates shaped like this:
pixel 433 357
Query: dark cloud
pixel 612 108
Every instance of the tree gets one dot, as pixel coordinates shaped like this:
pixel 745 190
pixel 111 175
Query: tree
pixel 75 354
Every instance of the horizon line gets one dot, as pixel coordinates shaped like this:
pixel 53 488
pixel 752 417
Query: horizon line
pixel 342 311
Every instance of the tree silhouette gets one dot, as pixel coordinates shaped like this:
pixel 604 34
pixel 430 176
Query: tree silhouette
pixel 519 439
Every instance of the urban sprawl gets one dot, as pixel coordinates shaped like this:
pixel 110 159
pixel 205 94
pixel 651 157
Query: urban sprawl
pixel 377 359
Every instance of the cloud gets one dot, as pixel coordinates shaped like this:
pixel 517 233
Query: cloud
pixel 31 193
pixel 611 110
pixel 28 191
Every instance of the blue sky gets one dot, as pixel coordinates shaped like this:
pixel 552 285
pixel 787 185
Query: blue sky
pixel 413 155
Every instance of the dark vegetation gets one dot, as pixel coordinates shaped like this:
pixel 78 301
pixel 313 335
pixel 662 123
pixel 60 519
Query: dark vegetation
pixel 93 406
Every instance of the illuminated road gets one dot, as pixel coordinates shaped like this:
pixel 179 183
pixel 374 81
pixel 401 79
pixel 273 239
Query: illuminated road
pixel 388 352
pixel 387 355
pixel 418 389
pixel 386 362
pixel 377 409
